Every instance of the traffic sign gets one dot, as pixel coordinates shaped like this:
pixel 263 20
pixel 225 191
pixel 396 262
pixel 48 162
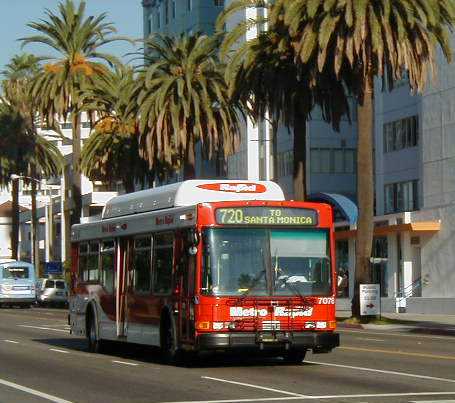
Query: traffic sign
pixel 370 299
pixel 53 268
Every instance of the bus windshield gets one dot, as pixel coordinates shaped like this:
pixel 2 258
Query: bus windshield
pixel 15 272
pixel 264 262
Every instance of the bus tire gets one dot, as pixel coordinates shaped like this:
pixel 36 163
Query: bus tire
pixel 294 356
pixel 94 344
pixel 169 348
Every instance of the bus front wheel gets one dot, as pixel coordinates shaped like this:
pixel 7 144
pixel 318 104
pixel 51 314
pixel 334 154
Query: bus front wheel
pixel 169 349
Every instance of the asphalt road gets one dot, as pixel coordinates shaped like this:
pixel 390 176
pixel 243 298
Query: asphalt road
pixel 41 362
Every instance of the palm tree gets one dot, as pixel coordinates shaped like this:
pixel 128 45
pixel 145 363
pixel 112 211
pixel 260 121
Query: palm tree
pixel 183 98
pixel 263 75
pixel 111 153
pixel 76 39
pixel 368 39
pixel 33 155
pixel 13 145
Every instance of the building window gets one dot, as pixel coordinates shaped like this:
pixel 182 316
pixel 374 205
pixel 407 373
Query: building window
pixel 158 19
pixel 401 196
pixel 332 160
pixel 218 3
pixel 67 125
pixel 284 163
pixel 189 4
pixel 399 134
pixel 150 24
pixel 166 12
pixel 174 9
pixel 379 264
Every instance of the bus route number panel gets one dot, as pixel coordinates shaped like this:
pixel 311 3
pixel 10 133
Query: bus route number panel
pixel 266 216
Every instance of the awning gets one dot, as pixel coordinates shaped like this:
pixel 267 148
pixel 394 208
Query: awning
pixel 343 206
pixel 415 228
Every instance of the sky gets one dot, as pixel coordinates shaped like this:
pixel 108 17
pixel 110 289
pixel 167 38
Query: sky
pixel 15 14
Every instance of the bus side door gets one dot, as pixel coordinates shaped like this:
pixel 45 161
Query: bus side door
pixel 186 280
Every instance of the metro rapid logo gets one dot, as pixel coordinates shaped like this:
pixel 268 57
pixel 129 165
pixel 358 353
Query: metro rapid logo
pixel 234 187
pixel 278 311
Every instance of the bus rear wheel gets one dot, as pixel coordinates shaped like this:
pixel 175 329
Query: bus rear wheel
pixel 94 344
pixel 294 356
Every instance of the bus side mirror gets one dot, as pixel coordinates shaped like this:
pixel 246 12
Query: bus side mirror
pixel 192 250
pixel 193 237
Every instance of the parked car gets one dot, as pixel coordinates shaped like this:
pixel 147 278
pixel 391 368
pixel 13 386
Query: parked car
pixel 51 292
pixel 17 283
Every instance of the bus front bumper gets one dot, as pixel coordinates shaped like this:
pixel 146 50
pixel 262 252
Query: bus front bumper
pixel 319 342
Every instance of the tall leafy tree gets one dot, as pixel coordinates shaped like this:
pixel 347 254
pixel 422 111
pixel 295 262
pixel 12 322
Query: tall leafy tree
pixel 183 98
pixel 368 39
pixel 111 153
pixel 263 75
pixel 76 40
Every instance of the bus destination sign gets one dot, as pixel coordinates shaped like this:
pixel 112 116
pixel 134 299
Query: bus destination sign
pixel 266 216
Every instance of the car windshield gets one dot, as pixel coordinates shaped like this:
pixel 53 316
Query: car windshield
pixel 262 261
pixel 15 272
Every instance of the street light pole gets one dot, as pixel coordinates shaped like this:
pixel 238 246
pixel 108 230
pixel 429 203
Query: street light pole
pixel 34 223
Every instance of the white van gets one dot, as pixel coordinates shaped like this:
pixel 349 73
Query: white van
pixel 51 292
pixel 17 283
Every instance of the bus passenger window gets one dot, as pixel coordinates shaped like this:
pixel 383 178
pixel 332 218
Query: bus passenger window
pixel 83 253
pixel 107 266
pixel 142 264
pixel 93 261
pixel 163 252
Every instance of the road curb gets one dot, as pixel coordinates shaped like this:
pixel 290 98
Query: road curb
pixel 349 325
pixel 437 331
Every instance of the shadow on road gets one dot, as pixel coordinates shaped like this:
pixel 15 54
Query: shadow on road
pixel 147 354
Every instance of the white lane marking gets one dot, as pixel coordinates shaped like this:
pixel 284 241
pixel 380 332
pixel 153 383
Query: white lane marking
pixel 396 334
pixel 125 363
pixel 254 386
pixel 44 328
pixel 33 392
pixel 432 401
pixel 382 371
pixel 368 339
pixel 11 341
pixel 59 351
pixel 267 399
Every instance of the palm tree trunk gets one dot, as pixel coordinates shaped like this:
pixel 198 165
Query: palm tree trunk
pixel 65 222
pixel 76 194
pixel 15 220
pixel 365 194
pixel 274 124
pixel 34 228
pixel 189 167
pixel 299 172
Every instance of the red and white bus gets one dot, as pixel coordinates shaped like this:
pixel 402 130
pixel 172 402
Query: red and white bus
pixel 207 265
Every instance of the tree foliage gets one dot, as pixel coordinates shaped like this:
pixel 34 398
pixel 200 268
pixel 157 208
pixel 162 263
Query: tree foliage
pixel 111 153
pixel 183 98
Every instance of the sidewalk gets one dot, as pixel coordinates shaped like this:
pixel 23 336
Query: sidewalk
pixel 413 323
